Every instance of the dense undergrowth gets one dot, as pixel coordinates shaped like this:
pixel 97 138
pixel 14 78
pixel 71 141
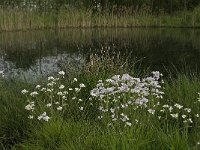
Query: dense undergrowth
pixel 169 121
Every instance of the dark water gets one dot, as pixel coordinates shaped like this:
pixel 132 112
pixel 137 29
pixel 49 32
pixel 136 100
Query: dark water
pixel 33 54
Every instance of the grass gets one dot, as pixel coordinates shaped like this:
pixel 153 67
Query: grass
pixel 80 18
pixel 67 132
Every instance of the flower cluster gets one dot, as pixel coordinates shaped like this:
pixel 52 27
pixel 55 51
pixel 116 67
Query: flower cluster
pixel 119 100
pixel 120 95
pixel 180 113
pixel 177 112
pixel 54 95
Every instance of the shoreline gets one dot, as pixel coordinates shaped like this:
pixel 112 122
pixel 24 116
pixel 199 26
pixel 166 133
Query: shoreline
pixel 101 27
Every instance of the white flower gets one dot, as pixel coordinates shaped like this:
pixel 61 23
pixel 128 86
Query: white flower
pixel 112 110
pixel 188 110
pixel 60 93
pixel 44 117
pixel 81 108
pixel 50 84
pixel 190 120
pixel 184 116
pixel 75 79
pixel 165 106
pixel 38 86
pixel 170 109
pixel 43 89
pixel 49 105
pixel 33 94
pixel 70 89
pixel 49 90
pixel 40 117
pixel 82 85
pixel 30 106
pixel 64 97
pixel 157 74
pixel 151 111
pixel 174 115
pixel 197 115
pixel 24 91
pixel 100 117
pixel 61 73
pixel 77 89
pixel 59 108
pixel 128 124
pixel 61 87
pixel 65 92
pixel 50 78
pixel 178 106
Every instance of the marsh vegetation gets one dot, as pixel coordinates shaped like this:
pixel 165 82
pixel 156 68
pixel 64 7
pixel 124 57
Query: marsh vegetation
pixel 36 14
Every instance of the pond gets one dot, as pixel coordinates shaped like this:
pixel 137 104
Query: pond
pixel 31 55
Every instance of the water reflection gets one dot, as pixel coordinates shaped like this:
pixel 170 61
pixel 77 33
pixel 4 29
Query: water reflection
pixel 33 54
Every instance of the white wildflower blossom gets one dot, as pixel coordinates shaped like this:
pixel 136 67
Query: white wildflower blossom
pixel 151 111
pixel 24 91
pixel 33 94
pixel 82 85
pixel 43 89
pixel 38 86
pixel 165 106
pixel 50 78
pixel 174 115
pixel 49 90
pixel 57 103
pixel 128 124
pixel 44 117
pixel 183 116
pixel 61 73
pixel 188 110
pixel 190 120
pixel 49 105
pixel 60 93
pixel 178 106
pixel 30 106
pixel 59 108
pixel 77 89
pixel 170 108
pixel 61 87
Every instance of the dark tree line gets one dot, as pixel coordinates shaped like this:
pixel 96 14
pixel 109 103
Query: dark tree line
pixel 154 6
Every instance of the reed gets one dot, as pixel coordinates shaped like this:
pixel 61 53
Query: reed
pixel 82 18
